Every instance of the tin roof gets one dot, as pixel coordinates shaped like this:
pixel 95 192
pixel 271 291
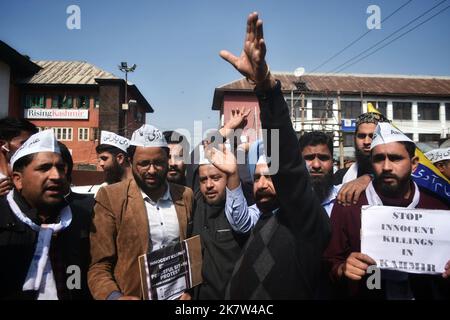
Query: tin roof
pixel 67 72
pixel 376 84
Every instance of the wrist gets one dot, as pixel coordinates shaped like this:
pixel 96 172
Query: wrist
pixel 269 83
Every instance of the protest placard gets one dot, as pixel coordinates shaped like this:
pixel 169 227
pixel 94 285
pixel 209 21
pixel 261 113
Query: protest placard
pixel 409 240
pixel 168 272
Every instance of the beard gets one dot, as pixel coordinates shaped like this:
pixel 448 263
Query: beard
pixel 363 160
pixel 178 178
pixel 160 179
pixel 394 190
pixel 269 204
pixel 114 174
pixel 322 185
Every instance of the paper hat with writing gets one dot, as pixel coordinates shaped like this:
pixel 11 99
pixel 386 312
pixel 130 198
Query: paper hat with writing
pixel 43 141
pixel 437 155
pixel 112 139
pixel 148 136
pixel 386 133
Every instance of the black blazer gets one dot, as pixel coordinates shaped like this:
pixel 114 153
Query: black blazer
pixel 18 241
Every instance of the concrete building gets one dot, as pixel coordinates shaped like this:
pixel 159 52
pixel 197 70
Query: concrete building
pixel 13 66
pixel 418 105
pixel 77 100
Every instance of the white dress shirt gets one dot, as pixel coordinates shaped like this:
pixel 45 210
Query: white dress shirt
pixel 162 219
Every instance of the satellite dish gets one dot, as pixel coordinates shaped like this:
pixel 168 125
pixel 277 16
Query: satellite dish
pixel 299 72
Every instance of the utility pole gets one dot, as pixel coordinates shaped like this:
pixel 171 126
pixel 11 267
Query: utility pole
pixel 341 134
pixel 124 68
pixel 303 112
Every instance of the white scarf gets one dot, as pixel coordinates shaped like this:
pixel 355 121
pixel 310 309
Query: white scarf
pixel 374 200
pixel 351 174
pixel 40 274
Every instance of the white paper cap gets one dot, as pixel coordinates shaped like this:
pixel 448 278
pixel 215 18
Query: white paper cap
pixel 114 140
pixel 262 159
pixel 148 136
pixel 386 133
pixel 43 141
pixel 437 155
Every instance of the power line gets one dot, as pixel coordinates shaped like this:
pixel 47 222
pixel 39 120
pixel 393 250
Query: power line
pixel 400 36
pixel 340 67
pixel 359 38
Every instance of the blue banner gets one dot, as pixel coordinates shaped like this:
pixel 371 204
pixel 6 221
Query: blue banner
pixel 426 178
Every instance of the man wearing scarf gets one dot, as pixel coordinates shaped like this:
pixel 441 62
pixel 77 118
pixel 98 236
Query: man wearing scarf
pixel 393 160
pixel 44 244
pixel 221 245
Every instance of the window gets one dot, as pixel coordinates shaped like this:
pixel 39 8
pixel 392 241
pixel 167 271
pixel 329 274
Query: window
pixel 297 106
pixel 57 102
pixel 95 133
pixel 447 111
pixel 429 137
pixel 34 101
pixel 402 110
pixel 83 134
pixel 380 106
pixel 322 109
pixel 83 102
pixel 63 134
pixel 348 139
pixel 96 102
pixel 428 111
pixel 350 109
pixel 410 135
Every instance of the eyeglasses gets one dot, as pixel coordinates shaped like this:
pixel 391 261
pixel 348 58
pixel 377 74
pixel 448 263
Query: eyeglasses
pixel 321 157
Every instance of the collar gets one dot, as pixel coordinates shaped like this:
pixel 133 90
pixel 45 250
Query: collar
pixel 24 207
pixel 332 195
pixel 165 197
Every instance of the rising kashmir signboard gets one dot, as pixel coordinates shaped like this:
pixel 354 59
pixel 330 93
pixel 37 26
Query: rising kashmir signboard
pixel 56 114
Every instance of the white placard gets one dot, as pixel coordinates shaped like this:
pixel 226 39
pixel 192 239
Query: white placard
pixel 56 114
pixel 408 240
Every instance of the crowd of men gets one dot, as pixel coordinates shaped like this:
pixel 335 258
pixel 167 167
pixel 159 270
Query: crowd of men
pixel 289 234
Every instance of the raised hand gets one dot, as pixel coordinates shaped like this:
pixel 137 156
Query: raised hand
pixel 238 119
pixel 251 63
pixel 225 161
pixel 222 158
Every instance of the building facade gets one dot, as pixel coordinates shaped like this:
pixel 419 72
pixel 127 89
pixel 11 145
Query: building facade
pixel 76 99
pixel 418 105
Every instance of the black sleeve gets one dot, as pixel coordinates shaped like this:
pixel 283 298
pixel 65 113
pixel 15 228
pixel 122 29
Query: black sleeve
pixel 299 204
pixel 339 176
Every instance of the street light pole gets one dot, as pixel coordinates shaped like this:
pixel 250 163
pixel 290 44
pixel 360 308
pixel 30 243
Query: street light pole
pixel 124 68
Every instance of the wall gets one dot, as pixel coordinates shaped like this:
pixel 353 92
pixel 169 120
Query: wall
pixel 233 101
pixel 83 152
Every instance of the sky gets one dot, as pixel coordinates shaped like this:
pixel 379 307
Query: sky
pixel 175 43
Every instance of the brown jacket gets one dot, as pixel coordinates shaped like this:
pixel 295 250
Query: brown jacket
pixel 120 234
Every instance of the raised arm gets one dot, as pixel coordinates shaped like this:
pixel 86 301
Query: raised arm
pixel 294 191
pixel 241 217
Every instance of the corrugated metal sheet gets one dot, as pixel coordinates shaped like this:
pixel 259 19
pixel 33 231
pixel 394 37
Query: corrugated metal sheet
pixel 67 72
pixel 373 84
